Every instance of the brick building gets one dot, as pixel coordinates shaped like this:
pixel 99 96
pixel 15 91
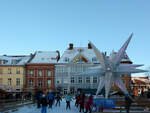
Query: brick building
pixel 40 72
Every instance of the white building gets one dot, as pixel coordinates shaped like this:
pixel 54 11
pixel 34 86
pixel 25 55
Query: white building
pixel 76 60
pixel 70 71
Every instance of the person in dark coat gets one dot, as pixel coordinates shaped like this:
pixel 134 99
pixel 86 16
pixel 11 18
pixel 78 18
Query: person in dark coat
pixel 128 102
pixel 39 97
pixel 44 104
pixel 82 101
pixel 77 100
pixel 51 99
pixel 58 99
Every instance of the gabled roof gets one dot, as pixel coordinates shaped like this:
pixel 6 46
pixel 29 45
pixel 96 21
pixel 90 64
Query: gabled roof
pixel 13 60
pixel 142 80
pixel 69 55
pixel 45 57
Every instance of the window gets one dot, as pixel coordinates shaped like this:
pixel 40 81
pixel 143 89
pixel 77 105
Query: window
pixel 40 73
pixel 65 91
pixel 79 79
pixel 48 83
pixel 94 59
pixel 88 80
pixel 9 70
pixel 40 83
pixel 1 71
pixel 72 79
pixel 65 81
pixel 18 81
pixel 49 73
pixel 30 83
pixel 17 71
pixel 94 80
pixel 72 90
pixel 58 82
pixel 9 81
pixel 66 59
pixel 14 61
pixel 3 61
pixel 31 72
pixel 42 58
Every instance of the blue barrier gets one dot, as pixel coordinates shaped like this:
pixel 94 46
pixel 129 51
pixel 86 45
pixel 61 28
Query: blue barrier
pixel 105 103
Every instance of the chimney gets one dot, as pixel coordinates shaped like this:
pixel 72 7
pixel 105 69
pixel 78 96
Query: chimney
pixel 89 46
pixel 58 57
pixel 70 46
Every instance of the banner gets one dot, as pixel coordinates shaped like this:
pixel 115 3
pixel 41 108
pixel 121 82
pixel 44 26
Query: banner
pixel 105 103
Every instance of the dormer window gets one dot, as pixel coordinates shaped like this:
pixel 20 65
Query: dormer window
pixel 3 61
pixel 66 59
pixel 42 58
pixel 80 50
pixel 94 59
pixel 14 61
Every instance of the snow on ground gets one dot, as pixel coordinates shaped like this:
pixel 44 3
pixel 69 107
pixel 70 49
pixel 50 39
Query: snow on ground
pixel 55 109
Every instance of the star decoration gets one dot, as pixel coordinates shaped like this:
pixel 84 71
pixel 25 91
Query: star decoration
pixel 110 69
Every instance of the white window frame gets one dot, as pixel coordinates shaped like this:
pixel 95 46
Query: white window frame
pixel 88 80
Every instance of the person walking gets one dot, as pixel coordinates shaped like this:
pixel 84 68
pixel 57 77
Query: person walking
pixel 50 99
pixel 81 102
pixel 68 100
pixel 77 100
pixel 44 104
pixel 39 97
pixel 58 99
pixel 128 102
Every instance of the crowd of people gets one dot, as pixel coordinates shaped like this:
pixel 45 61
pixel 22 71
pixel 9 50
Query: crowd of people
pixel 82 102
pixel 44 101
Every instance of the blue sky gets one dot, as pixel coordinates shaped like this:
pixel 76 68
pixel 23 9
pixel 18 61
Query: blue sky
pixel 48 25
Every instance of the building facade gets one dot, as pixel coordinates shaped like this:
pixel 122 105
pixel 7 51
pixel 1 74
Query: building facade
pixel 72 71
pixel 40 72
pixel 140 85
pixel 12 72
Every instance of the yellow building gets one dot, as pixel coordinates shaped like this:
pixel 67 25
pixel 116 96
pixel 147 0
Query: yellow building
pixel 12 72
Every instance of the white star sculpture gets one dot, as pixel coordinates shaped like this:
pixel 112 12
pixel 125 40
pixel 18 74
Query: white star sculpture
pixel 111 70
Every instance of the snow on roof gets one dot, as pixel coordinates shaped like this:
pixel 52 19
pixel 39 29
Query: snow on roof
pixel 45 57
pixel 14 60
pixel 70 55
pixel 89 54
pixel 142 79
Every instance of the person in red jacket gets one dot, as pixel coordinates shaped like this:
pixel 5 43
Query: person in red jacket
pixel 88 104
